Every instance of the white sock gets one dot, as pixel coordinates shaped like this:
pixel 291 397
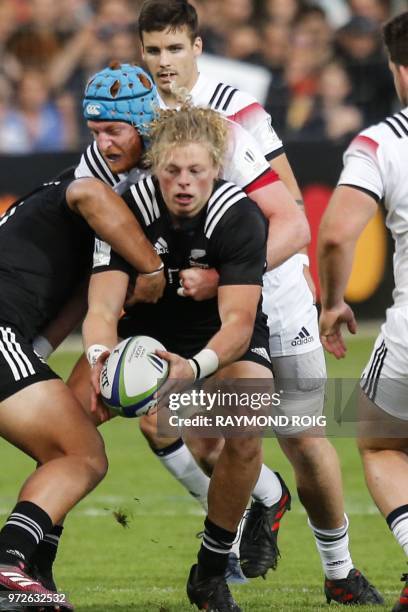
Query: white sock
pixel 398 523
pixel 182 465
pixel 268 489
pixel 332 545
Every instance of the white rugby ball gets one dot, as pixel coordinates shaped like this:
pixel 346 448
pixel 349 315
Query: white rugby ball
pixel 132 374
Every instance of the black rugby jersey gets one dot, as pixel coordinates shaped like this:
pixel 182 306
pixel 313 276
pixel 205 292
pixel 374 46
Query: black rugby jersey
pixel 229 234
pixel 45 251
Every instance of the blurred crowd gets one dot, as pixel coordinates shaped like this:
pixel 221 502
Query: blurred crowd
pixel 329 75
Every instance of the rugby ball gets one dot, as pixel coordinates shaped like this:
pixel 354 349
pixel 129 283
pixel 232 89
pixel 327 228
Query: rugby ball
pixel 131 375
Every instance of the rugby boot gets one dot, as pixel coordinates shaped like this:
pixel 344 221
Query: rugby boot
pixel 259 550
pixel 211 594
pixel 402 603
pixel 353 590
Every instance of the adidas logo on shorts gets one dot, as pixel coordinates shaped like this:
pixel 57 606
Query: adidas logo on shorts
pixel 303 337
pixel 262 352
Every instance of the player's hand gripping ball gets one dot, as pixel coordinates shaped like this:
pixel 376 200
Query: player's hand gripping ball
pixel 131 376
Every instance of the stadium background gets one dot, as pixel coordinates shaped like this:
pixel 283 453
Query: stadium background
pixel 319 68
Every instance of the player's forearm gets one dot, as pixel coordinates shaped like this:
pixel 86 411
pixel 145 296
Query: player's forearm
pixel 286 238
pixel 129 241
pixel 335 264
pixel 233 338
pixel 99 328
pixel 282 167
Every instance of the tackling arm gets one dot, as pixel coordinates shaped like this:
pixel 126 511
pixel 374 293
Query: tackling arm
pixel 288 228
pixel 111 219
pixel 281 166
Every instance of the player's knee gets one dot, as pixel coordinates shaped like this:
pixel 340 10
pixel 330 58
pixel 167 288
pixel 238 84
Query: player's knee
pixel 98 467
pixel 206 452
pixel 307 452
pixel 245 450
pixel 96 461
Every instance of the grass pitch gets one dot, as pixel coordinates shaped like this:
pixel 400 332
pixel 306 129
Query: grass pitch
pixel 104 566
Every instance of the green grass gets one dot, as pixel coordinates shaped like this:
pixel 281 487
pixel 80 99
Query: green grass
pixel 105 567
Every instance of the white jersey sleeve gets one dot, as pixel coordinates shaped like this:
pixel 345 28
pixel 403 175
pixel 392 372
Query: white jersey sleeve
pixel 362 164
pixel 254 118
pixel 92 164
pixel 376 162
pixel 241 107
pixel 244 164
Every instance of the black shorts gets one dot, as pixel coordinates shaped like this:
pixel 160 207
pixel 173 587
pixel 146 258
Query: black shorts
pixel 258 350
pixel 20 366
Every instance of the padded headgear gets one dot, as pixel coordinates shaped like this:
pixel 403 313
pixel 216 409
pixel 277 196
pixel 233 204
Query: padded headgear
pixel 121 92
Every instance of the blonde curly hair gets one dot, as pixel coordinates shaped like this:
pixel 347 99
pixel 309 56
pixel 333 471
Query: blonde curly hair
pixel 189 124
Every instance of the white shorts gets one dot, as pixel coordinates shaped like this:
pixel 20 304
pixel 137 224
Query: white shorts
pixel 385 377
pixel 301 381
pixel 298 337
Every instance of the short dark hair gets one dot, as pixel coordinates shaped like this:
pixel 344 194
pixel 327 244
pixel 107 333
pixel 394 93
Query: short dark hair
pixel 158 15
pixel 395 33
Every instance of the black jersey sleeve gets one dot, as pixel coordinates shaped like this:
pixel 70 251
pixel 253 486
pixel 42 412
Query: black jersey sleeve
pixel 238 245
pixel 104 257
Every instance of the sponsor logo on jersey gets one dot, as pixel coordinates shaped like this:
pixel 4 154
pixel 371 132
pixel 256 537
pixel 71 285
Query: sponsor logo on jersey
pixel 303 337
pixel 93 109
pixel 260 350
pixel 197 254
pixel 161 246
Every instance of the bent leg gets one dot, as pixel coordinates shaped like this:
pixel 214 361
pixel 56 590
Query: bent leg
pixel 47 423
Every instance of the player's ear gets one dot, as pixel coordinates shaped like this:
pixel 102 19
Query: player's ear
pixel 198 46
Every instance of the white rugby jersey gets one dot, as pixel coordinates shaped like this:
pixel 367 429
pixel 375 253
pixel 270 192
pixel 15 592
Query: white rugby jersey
pixel 376 162
pixel 244 164
pixel 287 297
pixel 240 107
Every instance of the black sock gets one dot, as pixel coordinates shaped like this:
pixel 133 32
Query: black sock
pixel 213 554
pixel 23 531
pixel 45 553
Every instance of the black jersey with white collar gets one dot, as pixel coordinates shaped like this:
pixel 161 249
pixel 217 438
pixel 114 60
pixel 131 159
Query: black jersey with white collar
pixel 229 234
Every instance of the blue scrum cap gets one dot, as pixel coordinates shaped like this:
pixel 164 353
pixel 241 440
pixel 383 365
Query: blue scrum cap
pixel 121 92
